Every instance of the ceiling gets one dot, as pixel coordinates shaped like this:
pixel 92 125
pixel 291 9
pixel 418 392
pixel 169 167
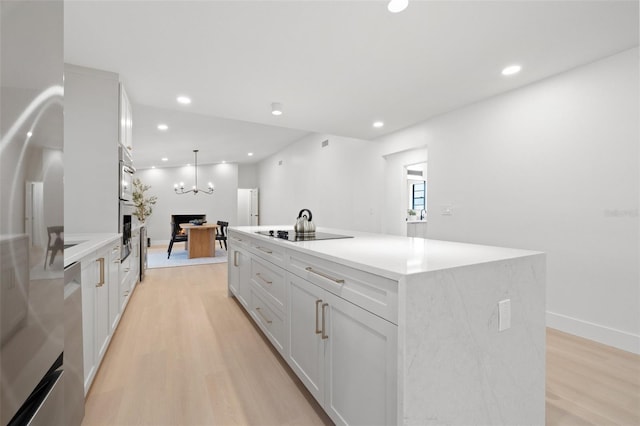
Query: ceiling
pixel 336 66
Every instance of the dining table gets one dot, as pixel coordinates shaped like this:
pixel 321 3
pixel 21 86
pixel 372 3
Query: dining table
pixel 201 239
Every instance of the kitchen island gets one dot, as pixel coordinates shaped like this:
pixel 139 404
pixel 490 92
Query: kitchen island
pixel 385 329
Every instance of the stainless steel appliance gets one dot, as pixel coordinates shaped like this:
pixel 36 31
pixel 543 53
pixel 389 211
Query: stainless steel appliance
pixel 73 355
pixel 291 235
pixel 31 131
pixel 126 172
pixel 143 251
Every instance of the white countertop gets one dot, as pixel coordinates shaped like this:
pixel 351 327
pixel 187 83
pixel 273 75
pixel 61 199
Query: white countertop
pixel 390 255
pixel 86 243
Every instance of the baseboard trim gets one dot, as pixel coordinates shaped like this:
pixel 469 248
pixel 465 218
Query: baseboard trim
pixel 608 336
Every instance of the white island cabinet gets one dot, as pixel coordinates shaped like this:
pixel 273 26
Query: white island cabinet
pixel 393 330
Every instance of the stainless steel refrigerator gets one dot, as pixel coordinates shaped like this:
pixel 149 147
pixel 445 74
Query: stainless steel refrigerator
pixel 31 213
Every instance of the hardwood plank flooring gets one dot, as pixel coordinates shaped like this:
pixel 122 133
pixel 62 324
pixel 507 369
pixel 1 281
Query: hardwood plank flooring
pixel 186 354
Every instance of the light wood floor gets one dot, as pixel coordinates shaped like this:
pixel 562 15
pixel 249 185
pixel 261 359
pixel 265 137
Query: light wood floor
pixel 186 354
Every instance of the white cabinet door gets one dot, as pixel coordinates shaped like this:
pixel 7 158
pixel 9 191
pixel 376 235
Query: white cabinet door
pixel 240 274
pixel 306 346
pixel 102 325
pixel 360 364
pixel 345 355
pixel 114 286
pixel 88 318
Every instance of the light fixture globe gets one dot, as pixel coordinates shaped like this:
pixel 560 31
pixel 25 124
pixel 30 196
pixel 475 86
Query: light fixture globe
pixel 396 6
pixel 179 189
pixel 276 108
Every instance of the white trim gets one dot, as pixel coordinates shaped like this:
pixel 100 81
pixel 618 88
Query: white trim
pixel 606 335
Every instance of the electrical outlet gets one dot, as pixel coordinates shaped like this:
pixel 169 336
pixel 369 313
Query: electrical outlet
pixel 446 210
pixel 504 314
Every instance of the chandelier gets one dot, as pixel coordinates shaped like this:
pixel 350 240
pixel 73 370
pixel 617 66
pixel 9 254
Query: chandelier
pixel 180 188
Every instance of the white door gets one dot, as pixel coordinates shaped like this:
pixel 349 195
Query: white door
pixel 254 208
pixel 244 207
pixel 34 213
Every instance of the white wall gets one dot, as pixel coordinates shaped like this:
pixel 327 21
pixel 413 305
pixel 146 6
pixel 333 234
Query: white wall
pixel 247 176
pixel 221 205
pixel 551 167
pixel 342 183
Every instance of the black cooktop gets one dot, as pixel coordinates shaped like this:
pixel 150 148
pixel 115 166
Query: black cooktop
pixel 290 235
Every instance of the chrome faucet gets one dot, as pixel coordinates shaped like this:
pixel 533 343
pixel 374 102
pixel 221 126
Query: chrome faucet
pixel 423 214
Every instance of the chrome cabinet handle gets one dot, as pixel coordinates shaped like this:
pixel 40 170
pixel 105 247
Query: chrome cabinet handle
pixel 318 302
pixel 268 321
pixel 235 258
pixel 101 261
pixel 323 275
pixel 324 333
pixel 264 250
pixel 263 279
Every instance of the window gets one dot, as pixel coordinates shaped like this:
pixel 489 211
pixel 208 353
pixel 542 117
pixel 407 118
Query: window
pixel 418 196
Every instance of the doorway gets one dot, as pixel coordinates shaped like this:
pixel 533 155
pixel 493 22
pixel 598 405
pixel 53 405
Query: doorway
pixel 248 207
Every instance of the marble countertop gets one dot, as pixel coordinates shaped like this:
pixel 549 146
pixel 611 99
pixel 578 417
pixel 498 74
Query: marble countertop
pixel 86 243
pixel 390 255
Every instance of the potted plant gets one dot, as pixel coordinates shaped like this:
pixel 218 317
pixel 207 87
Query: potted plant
pixel 143 206
pixel 412 214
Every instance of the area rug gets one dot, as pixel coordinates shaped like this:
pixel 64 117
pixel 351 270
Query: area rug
pixel 180 258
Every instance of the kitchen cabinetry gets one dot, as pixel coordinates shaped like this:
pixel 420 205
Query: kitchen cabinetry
pixel 126 120
pixel 130 269
pixel 92 130
pixel 99 278
pixel 389 338
pixel 344 354
pixel 239 270
pixel 114 287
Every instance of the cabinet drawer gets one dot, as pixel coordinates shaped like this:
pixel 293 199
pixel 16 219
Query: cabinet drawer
pixel 238 239
pixel 374 293
pixel 271 252
pixel 271 278
pixel 270 321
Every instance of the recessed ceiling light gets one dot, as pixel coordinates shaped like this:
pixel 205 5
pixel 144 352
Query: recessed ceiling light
pixel 164 159
pixel 29 134
pixel 378 124
pixel 511 69
pixel 276 108
pixel 250 154
pixel 183 100
pixel 153 167
pixel 163 127
pixel 396 6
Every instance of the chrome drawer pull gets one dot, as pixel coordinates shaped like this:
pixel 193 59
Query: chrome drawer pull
pixel 318 302
pixel 268 321
pixel 235 258
pixel 323 275
pixel 263 279
pixel 101 261
pixel 264 250
pixel 324 333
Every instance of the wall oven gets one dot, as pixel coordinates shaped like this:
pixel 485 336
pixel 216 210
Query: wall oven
pixel 126 172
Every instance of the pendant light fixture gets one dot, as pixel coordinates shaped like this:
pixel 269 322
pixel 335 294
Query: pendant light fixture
pixel 180 188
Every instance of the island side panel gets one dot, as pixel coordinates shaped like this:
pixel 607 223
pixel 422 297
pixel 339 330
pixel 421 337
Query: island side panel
pixel 455 366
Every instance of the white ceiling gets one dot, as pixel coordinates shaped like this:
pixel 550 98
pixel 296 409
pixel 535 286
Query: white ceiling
pixel 336 66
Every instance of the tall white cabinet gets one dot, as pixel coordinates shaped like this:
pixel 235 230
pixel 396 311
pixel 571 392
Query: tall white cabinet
pixel 97 116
